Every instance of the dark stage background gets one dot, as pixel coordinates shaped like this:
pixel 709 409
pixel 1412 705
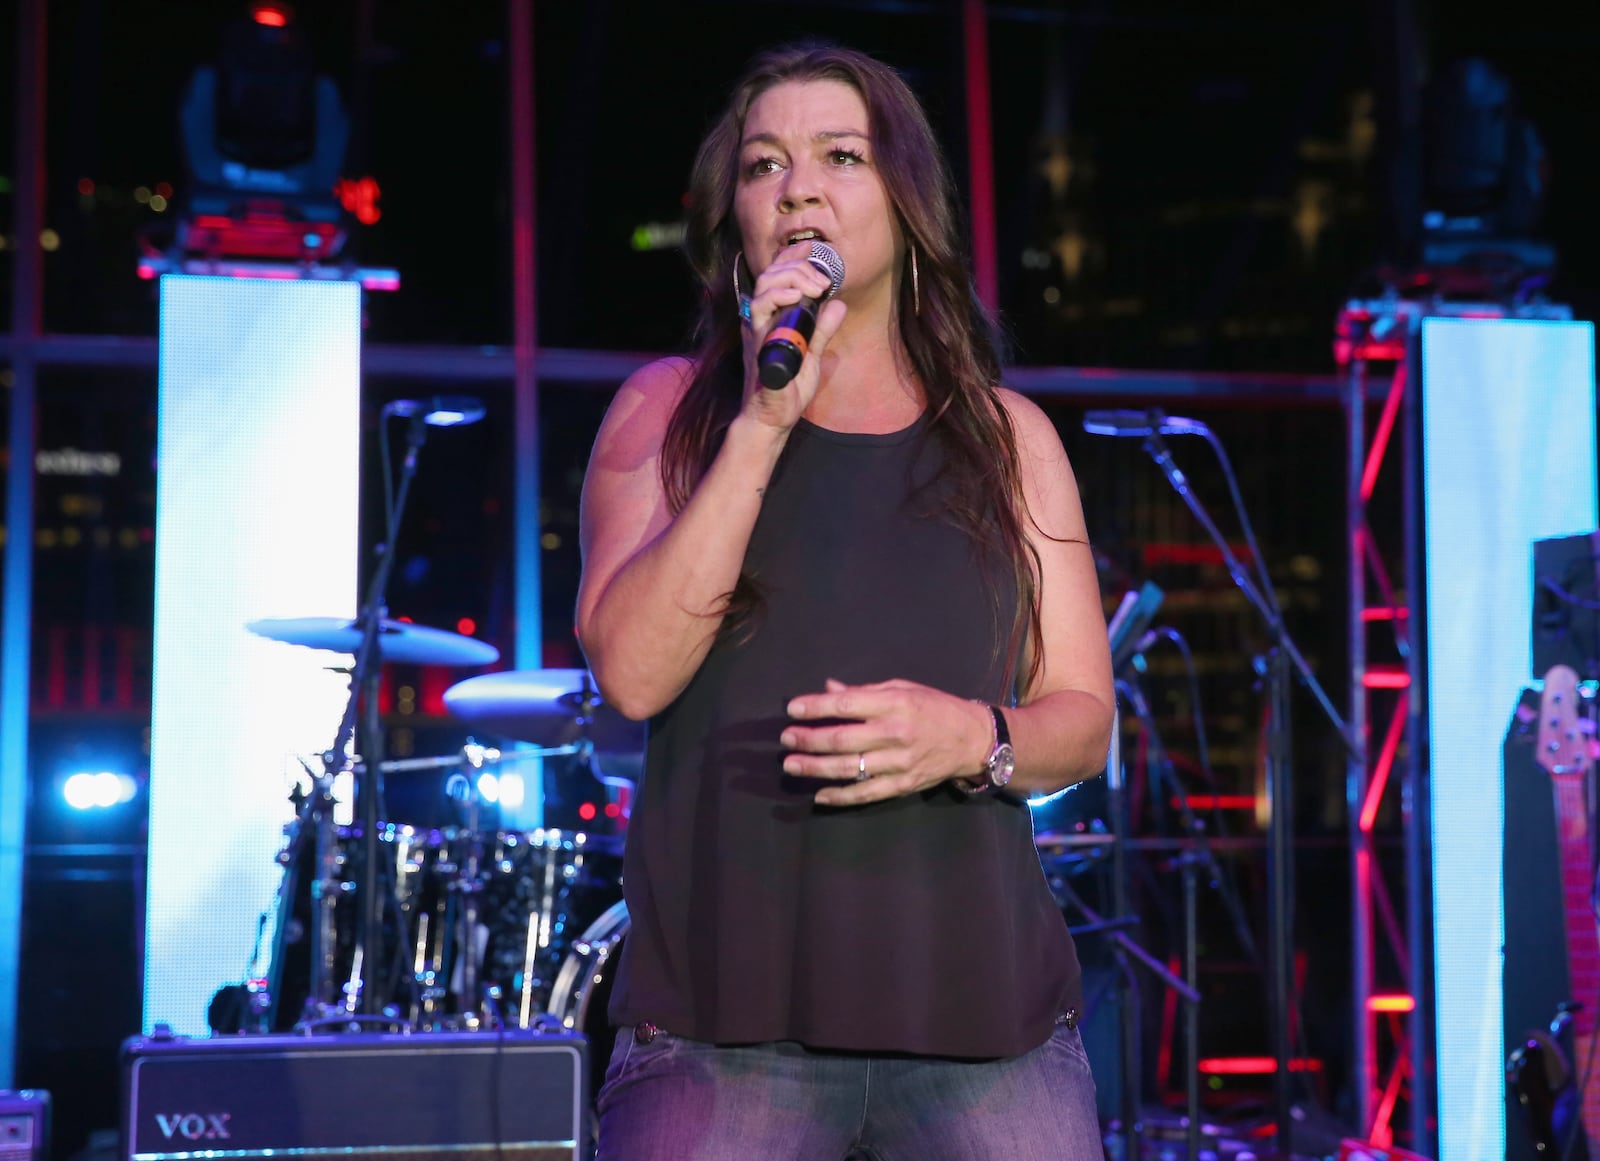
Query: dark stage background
pixel 1179 188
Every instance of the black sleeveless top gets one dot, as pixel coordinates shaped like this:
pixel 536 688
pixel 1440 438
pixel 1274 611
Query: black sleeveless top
pixel 919 925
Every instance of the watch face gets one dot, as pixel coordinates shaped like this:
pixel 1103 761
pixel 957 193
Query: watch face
pixel 1001 763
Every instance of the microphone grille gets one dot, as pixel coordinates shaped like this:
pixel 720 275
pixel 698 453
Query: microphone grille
pixel 826 259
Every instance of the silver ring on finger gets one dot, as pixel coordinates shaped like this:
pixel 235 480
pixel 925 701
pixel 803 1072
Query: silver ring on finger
pixel 861 768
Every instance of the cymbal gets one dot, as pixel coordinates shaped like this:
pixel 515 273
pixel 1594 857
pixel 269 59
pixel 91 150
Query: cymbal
pixel 548 707
pixel 397 640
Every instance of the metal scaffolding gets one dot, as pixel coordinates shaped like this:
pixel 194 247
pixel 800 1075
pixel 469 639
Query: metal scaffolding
pixel 1387 787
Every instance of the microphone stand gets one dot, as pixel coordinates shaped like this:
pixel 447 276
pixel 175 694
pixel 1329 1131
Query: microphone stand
pixel 1275 668
pixel 364 680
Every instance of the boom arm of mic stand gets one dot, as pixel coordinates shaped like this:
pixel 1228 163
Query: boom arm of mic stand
pixel 1162 455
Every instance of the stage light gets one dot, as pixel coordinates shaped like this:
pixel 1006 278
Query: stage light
pixel 98 790
pixel 488 788
pixel 271 15
pixel 264 136
pixel 512 790
pixel 1484 181
pixel 360 197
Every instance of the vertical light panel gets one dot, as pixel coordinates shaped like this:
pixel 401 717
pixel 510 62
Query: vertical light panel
pixel 256 504
pixel 1508 458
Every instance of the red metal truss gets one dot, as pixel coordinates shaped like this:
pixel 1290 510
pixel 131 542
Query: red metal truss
pixel 1373 349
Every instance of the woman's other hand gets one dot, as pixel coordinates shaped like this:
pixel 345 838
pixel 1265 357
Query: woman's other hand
pixel 884 740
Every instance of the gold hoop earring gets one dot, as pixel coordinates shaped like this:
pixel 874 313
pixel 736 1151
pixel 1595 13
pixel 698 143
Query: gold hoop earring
pixel 916 295
pixel 738 291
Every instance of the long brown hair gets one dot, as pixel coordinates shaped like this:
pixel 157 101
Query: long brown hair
pixel 946 333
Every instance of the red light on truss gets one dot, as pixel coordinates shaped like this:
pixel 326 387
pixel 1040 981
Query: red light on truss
pixel 271 15
pixel 1386 677
pixel 1384 613
pixel 1254 1065
pixel 359 196
pixel 1391 1003
pixel 1217 802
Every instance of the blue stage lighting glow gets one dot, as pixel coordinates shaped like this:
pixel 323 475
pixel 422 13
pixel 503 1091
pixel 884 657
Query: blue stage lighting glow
pixel 256 518
pixel 90 791
pixel 1508 458
pixel 512 790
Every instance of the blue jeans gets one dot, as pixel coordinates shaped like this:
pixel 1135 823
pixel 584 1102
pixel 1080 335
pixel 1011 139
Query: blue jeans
pixel 670 1099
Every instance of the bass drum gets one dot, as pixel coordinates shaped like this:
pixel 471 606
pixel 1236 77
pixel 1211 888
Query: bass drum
pixel 582 991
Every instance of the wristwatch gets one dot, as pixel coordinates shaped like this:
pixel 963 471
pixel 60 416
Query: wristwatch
pixel 997 767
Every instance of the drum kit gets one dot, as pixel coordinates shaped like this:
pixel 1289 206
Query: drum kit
pixel 477 927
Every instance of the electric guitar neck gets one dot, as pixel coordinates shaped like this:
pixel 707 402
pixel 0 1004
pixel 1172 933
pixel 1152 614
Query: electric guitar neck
pixel 1565 750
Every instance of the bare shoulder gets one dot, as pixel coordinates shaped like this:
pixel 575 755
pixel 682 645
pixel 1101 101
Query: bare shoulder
pixel 1049 487
pixel 1038 442
pixel 658 384
pixel 668 377
pixel 639 412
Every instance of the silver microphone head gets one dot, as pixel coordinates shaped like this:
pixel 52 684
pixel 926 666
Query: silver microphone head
pixel 826 259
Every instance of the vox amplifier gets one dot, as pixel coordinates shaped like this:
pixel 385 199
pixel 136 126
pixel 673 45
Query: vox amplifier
pixel 464 1095
pixel 24 1124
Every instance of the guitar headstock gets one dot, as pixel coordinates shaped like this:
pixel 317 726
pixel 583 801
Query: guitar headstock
pixel 1565 730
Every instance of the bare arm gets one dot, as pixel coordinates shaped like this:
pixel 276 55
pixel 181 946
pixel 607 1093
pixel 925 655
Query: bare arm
pixel 654 584
pixel 1062 728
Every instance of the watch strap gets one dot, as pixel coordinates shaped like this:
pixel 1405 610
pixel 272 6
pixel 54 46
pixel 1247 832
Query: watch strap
pixel 1002 732
pixel 983 781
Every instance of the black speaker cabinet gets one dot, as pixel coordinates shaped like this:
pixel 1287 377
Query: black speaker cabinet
pixel 24 1125
pixel 463 1095
pixel 1566 604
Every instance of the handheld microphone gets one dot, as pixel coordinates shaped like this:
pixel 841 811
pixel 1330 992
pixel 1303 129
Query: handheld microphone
pixel 789 339
pixel 1140 424
pixel 441 410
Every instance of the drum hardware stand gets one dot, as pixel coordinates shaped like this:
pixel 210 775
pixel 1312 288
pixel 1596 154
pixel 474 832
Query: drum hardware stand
pixel 468 884
pixel 313 825
pixel 1275 668
pixel 361 991
pixel 1194 857
pixel 1127 952
pixel 1188 987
